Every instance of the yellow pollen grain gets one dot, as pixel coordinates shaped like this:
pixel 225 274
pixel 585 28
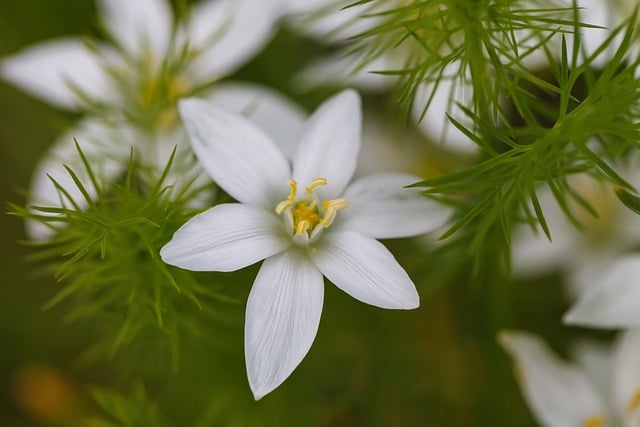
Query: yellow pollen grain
pixel 634 402
pixel 305 212
pixel 595 421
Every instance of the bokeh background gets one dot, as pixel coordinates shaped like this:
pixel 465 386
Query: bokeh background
pixel 439 365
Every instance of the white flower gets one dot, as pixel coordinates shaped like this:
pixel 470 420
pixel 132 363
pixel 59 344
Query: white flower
pixel 580 254
pixel 603 389
pixel 613 298
pixel 130 88
pixel 304 220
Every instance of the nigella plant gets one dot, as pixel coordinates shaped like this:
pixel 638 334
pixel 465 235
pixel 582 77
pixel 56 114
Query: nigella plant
pixel 324 226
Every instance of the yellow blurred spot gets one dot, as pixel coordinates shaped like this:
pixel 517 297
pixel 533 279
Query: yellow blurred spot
pixel 46 394
pixel 634 402
pixel 595 421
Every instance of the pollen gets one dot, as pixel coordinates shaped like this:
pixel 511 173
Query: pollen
pixel 307 212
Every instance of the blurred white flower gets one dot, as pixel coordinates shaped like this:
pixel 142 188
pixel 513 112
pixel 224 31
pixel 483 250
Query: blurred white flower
pixel 604 16
pixel 613 297
pixel 580 254
pixel 602 389
pixel 333 22
pixel 129 89
pixel 304 219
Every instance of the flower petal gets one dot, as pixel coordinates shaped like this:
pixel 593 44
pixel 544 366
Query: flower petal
pixel 53 69
pixel 344 70
pixel 226 237
pixel 282 318
pixel 596 359
pixel 362 267
pixel 532 252
pixel 139 26
pixel 559 394
pixel 228 33
pixel 434 123
pixel 329 144
pixel 380 207
pixel 614 299
pixel 331 20
pixel 281 119
pixel 95 140
pixel 598 13
pixel 236 153
pixel 625 390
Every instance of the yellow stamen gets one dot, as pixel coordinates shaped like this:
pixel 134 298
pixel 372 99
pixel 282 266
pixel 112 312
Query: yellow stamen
pixel 595 421
pixel 305 213
pixel 634 402
pixel 293 190
pixel 331 207
pixel 318 182
pixel 302 226
pixel 329 217
pixel 336 204
pixel 283 206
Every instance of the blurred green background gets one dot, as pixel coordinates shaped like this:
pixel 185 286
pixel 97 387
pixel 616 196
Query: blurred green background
pixel 435 366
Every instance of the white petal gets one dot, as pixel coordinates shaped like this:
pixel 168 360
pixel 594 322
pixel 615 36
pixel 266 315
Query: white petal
pixel 95 139
pixel 626 374
pixel 532 253
pixel 51 69
pixel 227 237
pixel 228 33
pixel 614 299
pixel 559 394
pixel 596 12
pixel 139 26
pixel 344 70
pixel 236 153
pixel 185 169
pixel 380 207
pixel 390 147
pixel 331 20
pixel 362 267
pixel 435 124
pixel 330 143
pixel 281 119
pixel 595 358
pixel 282 318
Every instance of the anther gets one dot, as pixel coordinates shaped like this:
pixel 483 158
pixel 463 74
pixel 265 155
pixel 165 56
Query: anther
pixel 284 205
pixel 293 190
pixel 329 217
pixel 303 226
pixel 318 182
pixel 336 204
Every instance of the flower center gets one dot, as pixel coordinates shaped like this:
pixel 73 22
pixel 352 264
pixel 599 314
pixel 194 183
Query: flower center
pixel 306 216
pixel 150 89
